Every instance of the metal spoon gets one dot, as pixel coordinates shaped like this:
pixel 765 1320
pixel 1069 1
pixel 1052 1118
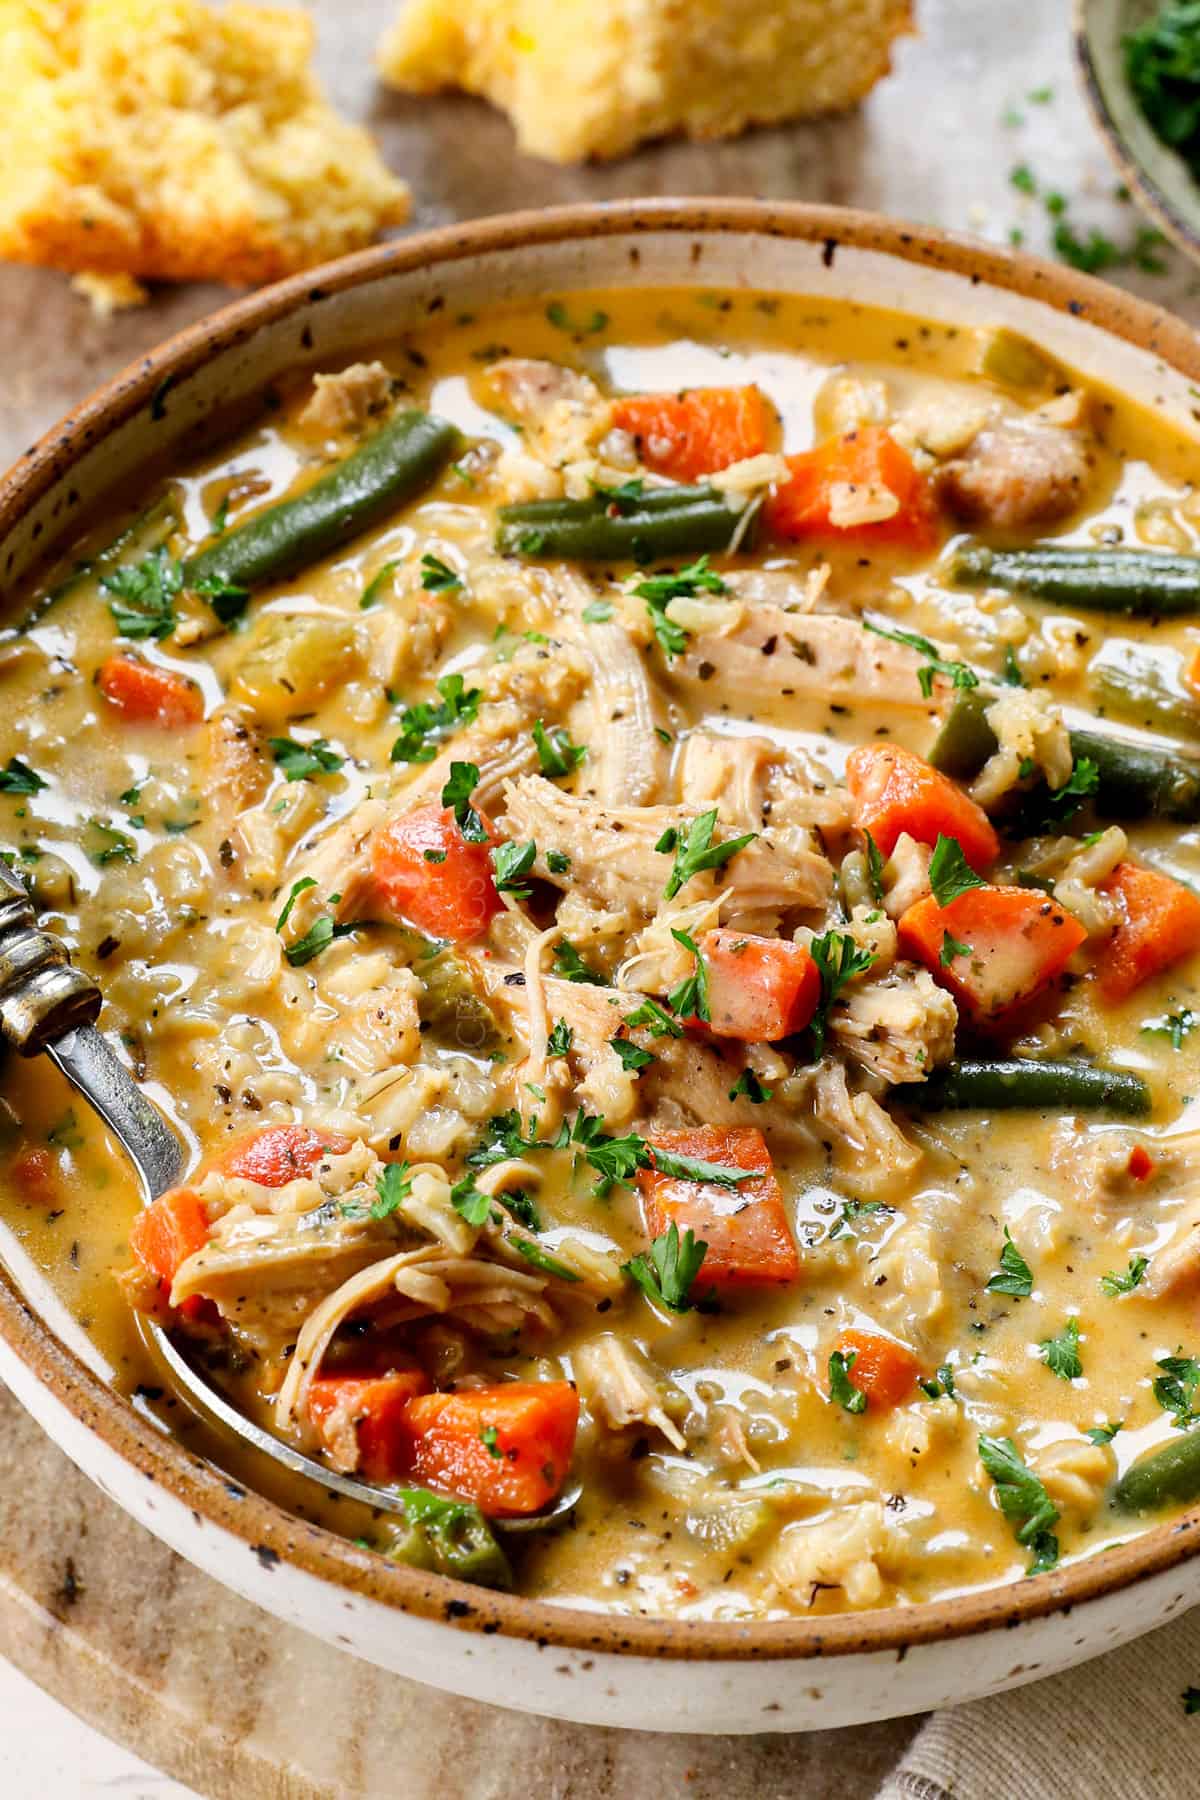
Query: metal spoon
pixel 48 1007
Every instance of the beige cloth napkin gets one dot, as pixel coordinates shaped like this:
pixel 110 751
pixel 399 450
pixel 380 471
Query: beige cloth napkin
pixel 1113 1729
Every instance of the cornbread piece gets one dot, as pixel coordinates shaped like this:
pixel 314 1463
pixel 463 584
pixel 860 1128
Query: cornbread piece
pixel 168 140
pixel 585 78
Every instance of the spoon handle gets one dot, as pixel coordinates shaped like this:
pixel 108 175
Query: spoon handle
pixel 107 1086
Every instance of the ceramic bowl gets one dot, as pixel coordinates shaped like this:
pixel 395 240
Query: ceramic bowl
pixel 586 1666
pixel 1160 180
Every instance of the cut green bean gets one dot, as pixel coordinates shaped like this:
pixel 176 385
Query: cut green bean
pixel 450 1537
pixel 1167 1477
pixel 664 522
pixel 1139 689
pixel 1136 781
pixel 1148 583
pixel 992 1085
pixel 404 457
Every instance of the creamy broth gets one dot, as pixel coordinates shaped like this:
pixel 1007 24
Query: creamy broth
pixel 726 1469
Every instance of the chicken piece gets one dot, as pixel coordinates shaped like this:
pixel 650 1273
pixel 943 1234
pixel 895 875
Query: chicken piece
pixel 343 402
pixel 729 773
pixel 563 414
pixel 842 1550
pixel 627 760
pixel 1030 736
pixel 619 1389
pixel 1018 475
pixel 237 772
pixel 816 656
pixel 860 1135
pixel 900 1028
pixel 530 1004
pixel 614 861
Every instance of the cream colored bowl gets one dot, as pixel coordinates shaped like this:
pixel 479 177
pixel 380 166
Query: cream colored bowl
pixel 591 1667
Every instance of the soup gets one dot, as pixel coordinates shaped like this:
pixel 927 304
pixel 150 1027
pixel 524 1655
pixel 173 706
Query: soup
pixel 647 845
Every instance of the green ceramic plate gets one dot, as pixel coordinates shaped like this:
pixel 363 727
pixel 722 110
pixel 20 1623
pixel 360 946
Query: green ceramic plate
pixel 1160 180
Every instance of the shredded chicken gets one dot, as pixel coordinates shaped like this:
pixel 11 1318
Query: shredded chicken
pixel 842 1550
pixel 778 655
pixel 345 401
pixel 563 414
pixel 618 1387
pixel 900 1027
pixel 1031 736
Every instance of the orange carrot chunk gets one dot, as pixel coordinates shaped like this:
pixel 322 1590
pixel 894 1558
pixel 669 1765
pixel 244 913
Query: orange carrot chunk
pixel 993 947
pixel 280 1153
pixel 695 432
pixel 896 791
pixel 865 471
pixel 1160 924
pixel 759 988
pixel 360 1419
pixel 508 1448
pixel 746 1227
pixel 150 695
pixel 164 1235
pixel 428 874
pixel 885 1371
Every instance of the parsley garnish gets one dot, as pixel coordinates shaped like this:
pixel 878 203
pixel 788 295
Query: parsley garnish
pixel 631 1055
pixel 659 590
pixel 464 779
pixel 842 1391
pixel 690 998
pixel 393 1187
pixel 1050 811
pixel 1061 1354
pixel 1014 1275
pixel 957 673
pixel 950 874
pixel 323 931
pixel 558 862
pixel 1113 1284
pixel 370 594
pixel 421 725
pixel 1162 64
pixel 623 499
pixel 952 947
pixel 695 850
pixel 560 1039
pixel 839 959
pixel 438 577
pixel 1012 669
pixel 666 1271
pixel 694 1168
pixel 18 778
pixel 299 761
pixel 297 888
pixel 1176 1387
pixel 1104 1434
pixel 852 1210
pixel 570 966
pixel 541 1259
pixel 874 869
pixel 749 1087
pixel 657 1022
pixel 557 755
pixel 489 1437
pixel 509 862
pixel 561 319
pixel 615 1159
pixel 143 595
pixel 469 1203
pixel 1175 1025
pixel 943 1385
pixel 1023 1500
pixel 597 612
pixel 105 844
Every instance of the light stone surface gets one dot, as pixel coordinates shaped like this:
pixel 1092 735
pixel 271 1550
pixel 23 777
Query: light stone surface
pixel 91 1607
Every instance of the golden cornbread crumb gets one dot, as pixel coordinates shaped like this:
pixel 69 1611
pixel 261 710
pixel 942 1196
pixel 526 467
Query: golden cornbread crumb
pixel 108 294
pixel 584 78
pixel 167 140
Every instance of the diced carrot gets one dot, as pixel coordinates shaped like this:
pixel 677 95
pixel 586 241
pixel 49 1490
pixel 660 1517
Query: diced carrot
pixel 828 483
pixel 993 947
pixel 508 1447
pixel 885 1371
pixel 1191 674
pixel 427 873
pixel 150 695
pixel 360 1419
pixel 759 988
pixel 1141 1164
pixel 164 1235
pixel 895 791
pixel 695 432
pixel 33 1175
pixel 745 1227
pixel 278 1154
pixel 1160 924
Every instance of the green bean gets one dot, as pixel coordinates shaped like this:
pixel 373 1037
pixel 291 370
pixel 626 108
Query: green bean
pixel 661 523
pixel 1139 689
pixel 1167 1477
pixel 403 457
pixel 991 1085
pixel 1136 781
pixel 450 1537
pixel 1148 583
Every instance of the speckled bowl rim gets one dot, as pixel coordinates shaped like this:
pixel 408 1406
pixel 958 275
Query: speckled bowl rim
pixel 1179 228
pixel 265 1529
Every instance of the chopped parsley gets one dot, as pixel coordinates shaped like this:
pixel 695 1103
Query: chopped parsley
pixel 853 1210
pixel 323 931
pixel 950 874
pixel 1014 1276
pixel 958 674
pixel 623 499
pixel 541 1259
pixel 1047 810
pixel 597 612
pixel 1023 1500
pixel 1103 1434
pixel 1011 673
pixel 18 778
pixel 942 1386
pixel 631 1055
pixel 489 1437
pixel 659 590
pixel 839 959
pixel 300 761
pixel 570 966
pixel 510 862
pixel 105 844
pixel 558 862
pixel 874 869
pixel 657 1022
pixel 615 1159
pixel 1061 1354
pixel 666 1271
pixel 695 851
pixel 1162 65
pixel 422 725
pixel 842 1391
pixel 469 1203
pixel 392 1188
pixel 952 947
pixel 373 591
pixel 689 999
pixel 749 1087
pixel 297 888
pixel 1175 1026
pixel 142 595
pixel 438 577
pixel 1175 1388
pixel 560 1039
pixel 557 755
pixel 1113 1284
pixel 457 793
pixel 561 319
